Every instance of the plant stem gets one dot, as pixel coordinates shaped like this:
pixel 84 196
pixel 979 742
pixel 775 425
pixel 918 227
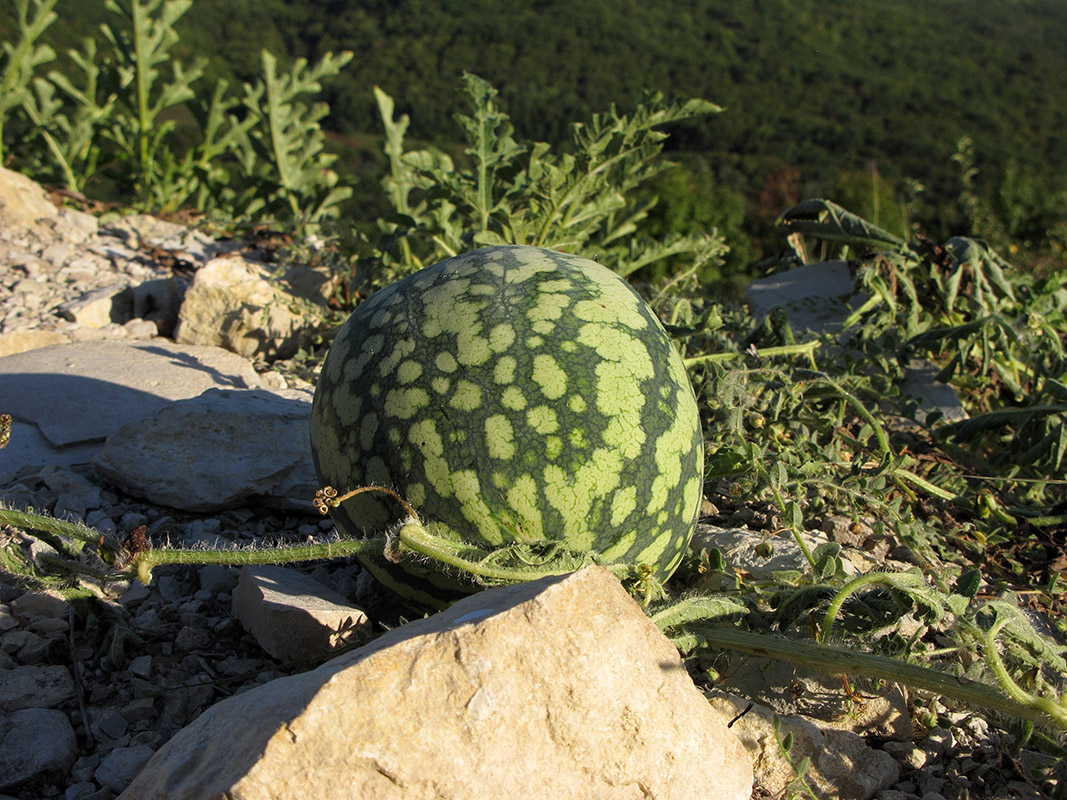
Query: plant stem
pixel 416 538
pixel 838 661
pixel 850 588
pixel 143 563
pixel 27 520
pixel 805 348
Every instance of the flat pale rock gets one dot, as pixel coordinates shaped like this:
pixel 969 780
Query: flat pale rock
pixel 29 339
pixel 558 688
pixel 761 555
pixel 37 686
pixel 817 297
pixel 792 689
pixel 292 616
pixel 921 384
pixel 79 394
pixel 218 450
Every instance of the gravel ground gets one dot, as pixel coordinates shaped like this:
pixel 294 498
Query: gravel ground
pixel 144 662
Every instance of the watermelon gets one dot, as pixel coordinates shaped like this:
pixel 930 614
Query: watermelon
pixel 511 394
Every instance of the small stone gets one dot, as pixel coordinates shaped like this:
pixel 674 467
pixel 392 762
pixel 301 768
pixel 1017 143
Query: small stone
pixel 233 666
pixel 141 329
pixel 83 790
pixel 38 686
pixel 85 766
pixel 169 588
pixel 136 594
pixel 100 521
pixel 100 307
pixel 907 753
pixel 190 638
pixel 141 666
pixel 40 649
pixel 13 641
pixel 109 722
pixel 48 626
pixel 939 741
pixel 35 741
pixel 143 708
pixel 292 616
pixel 121 766
pixel 40 604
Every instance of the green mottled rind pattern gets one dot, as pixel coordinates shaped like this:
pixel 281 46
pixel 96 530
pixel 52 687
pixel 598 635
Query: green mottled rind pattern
pixel 511 394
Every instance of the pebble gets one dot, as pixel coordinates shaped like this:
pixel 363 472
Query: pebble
pixel 35 686
pixel 141 666
pixel 32 741
pixel 908 754
pixel 119 767
pixel 939 742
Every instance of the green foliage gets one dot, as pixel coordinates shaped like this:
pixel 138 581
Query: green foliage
pixel 127 113
pixel 72 137
pixel 789 424
pixel 23 57
pixel 282 148
pixel 690 199
pixel 508 192
pixel 140 43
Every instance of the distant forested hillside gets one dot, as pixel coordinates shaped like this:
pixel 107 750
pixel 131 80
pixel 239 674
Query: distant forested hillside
pixel 837 97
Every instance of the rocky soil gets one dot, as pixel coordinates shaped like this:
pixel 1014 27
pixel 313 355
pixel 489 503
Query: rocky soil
pixel 90 689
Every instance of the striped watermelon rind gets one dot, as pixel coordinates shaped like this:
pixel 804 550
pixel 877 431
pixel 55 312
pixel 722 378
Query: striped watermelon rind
pixel 511 394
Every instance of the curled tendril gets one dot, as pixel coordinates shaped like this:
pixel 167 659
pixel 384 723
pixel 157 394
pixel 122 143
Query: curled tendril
pixel 327 498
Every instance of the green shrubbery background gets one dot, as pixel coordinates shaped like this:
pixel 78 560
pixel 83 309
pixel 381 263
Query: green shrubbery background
pixel 934 117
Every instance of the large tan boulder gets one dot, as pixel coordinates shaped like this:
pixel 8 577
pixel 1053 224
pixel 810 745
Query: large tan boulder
pixel 558 688
pixel 22 201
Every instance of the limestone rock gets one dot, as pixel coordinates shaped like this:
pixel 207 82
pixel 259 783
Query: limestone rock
pixel 22 201
pixel 556 688
pixel 71 395
pixel 100 307
pixel 921 384
pixel 34 741
pixel 37 686
pixel 842 766
pixel 761 555
pixel 120 766
pixel 244 306
pixel 33 605
pixel 218 450
pixel 817 297
pixel 293 616
pixel 13 342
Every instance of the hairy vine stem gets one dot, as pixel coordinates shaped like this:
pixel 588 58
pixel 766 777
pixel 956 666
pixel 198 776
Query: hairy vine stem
pixel 838 661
